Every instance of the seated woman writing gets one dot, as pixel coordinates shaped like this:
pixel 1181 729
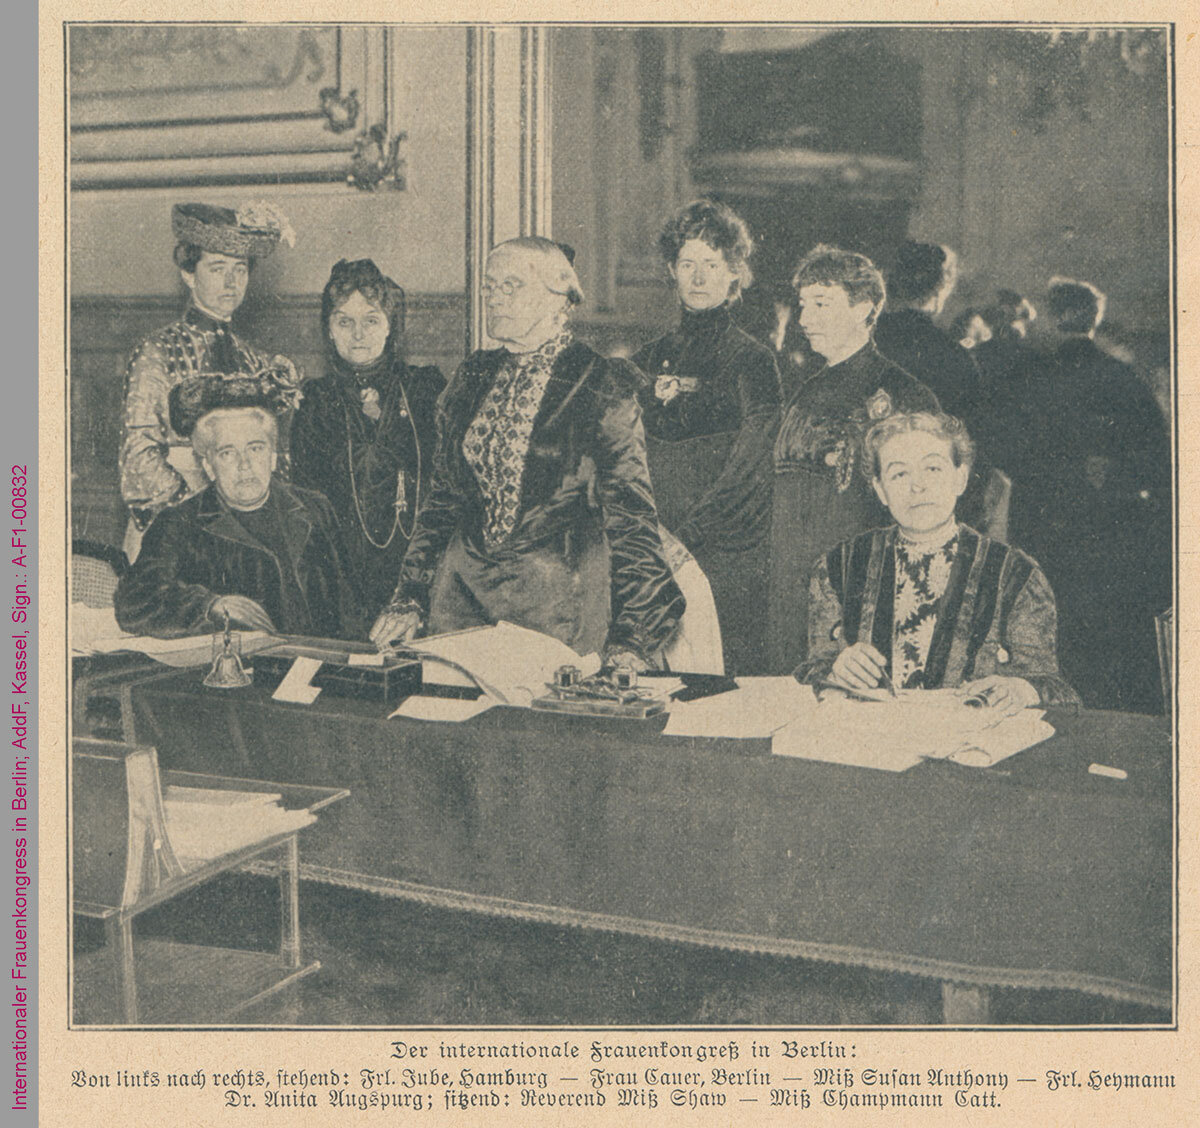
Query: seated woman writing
pixel 929 602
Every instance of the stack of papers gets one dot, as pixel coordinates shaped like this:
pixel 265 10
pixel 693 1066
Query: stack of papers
pixel 200 831
pixel 891 734
pixel 898 734
pixel 758 707
pixel 511 664
pixel 95 631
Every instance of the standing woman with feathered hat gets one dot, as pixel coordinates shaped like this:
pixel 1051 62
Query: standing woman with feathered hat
pixel 215 251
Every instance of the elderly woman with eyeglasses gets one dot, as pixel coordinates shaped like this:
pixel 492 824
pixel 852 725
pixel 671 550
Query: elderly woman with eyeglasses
pixel 539 510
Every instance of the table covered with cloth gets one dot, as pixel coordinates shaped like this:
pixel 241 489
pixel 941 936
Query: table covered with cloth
pixel 1033 874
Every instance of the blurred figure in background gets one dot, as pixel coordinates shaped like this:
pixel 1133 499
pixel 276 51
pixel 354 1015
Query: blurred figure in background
pixel 920 283
pixel 1013 404
pixel 1104 533
pixel 970 328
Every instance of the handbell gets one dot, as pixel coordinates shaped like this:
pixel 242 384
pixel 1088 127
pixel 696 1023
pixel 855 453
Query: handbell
pixel 227 671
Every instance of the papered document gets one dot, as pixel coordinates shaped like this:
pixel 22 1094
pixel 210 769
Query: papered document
pixel 95 631
pixel 757 708
pixel 510 664
pixel 898 734
pixel 419 708
pixel 296 686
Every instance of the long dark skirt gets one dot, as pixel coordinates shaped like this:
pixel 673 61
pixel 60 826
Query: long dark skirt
pixel 809 517
pixel 544 588
pixel 680 472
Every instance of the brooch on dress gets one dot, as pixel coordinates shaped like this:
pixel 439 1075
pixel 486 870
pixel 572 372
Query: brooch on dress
pixel 370 402
pixel 879 406
pixel 667 386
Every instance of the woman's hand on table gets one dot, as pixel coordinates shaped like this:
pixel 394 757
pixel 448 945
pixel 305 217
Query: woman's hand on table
pixel 627 659
pixel 860 666
pixel 1006 694
pixel 242 611
pixel 395 626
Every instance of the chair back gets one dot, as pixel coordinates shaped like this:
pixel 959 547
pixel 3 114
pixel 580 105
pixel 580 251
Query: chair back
pixel 95 570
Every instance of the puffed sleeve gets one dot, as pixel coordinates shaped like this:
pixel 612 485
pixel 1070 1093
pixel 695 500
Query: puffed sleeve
pixel 148 480
pixel 1030 642
pixel 157 596
pixel 735 511
pixel 441 508
pixel 825 638
pixel 646 602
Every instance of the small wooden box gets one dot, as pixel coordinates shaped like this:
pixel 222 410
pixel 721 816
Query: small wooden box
pixel 396 678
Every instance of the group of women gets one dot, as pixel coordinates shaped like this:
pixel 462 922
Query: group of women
pixel 629 507
pixel 560 489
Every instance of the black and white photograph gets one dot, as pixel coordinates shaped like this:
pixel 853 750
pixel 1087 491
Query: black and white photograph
pixel 660 526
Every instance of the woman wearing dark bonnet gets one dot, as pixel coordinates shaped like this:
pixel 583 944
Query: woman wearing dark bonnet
pixel 819 496
pixel 710 407
pixel 364 434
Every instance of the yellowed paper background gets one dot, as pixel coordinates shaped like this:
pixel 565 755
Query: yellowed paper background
pixel 1019 1053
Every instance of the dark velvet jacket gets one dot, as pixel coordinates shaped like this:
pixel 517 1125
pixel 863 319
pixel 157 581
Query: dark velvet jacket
pixel 997 615
pixel 737 390
pixel 586 466
pixel 828 415
pixel 199 551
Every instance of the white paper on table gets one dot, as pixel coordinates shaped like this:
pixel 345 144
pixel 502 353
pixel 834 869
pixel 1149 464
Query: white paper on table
pixel 897 734
pixel 95 631
pixel 852 745
pixel 510 664
pixel 757 708
pixel 295 686
pixel 455 709
pixel 1006 738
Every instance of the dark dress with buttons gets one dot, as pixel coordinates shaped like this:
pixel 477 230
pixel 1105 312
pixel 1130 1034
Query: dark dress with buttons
pixel 710 407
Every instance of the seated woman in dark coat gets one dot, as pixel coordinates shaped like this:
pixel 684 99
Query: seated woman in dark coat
pixel 929 602
pixel 819 498
pixel 250 546
pixel 710 407
pixel 364 434
pixel 540 510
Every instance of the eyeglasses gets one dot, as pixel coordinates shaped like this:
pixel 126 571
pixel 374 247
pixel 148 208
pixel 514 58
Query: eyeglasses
pixel 508 287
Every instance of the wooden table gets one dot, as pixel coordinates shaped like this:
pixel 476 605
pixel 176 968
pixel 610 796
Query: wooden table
pixel 155 982
pixel 1034 875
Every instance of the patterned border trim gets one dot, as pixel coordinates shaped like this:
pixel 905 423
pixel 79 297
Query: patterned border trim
pixel 1035 979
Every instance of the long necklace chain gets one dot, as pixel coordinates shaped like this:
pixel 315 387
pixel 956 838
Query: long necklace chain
pixel 400 503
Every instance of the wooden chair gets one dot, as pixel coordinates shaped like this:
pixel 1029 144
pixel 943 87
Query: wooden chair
pixel 95 570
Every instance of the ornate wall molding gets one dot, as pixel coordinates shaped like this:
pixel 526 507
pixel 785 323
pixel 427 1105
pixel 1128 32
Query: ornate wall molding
pixel 169 104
